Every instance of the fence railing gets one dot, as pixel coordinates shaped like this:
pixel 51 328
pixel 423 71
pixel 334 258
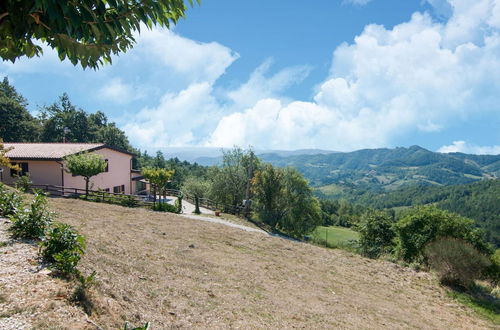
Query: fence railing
pixel 142 200
pixel 100 195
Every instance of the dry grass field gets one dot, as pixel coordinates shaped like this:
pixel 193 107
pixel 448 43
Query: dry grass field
pixel 181 273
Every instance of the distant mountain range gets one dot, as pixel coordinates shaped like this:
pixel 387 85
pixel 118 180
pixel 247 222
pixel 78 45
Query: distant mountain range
pixel 208 156
pixel 378 170
pixel 389 169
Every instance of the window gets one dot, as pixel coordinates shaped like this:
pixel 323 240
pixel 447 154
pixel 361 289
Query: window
pixel 106 190
pixel 119 189
pixel 23 169
pixel 107 166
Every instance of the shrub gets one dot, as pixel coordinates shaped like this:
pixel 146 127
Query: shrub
pixel 456 261
pixel 425 224
pixel 164 207
pixel 146 326
pixel 129 201
pixel 63 247
pixel 23 183
pixel 376 234
pixel 81 295
pixel 10 202
pixel 32 222
pixel 493 271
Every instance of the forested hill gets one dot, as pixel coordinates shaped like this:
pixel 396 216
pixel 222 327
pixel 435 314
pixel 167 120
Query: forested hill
pixel 479 201
pixel 389 169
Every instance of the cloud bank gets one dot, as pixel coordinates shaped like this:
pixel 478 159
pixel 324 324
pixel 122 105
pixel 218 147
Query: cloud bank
pixel 419 76
pixel 467 148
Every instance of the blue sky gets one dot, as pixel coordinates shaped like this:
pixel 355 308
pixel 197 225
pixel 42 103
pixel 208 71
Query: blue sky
pixel 338 75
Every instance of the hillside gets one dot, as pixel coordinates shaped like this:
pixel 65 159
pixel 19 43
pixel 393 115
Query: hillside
pixel 479 201
pixel 389 169
pixel 183 273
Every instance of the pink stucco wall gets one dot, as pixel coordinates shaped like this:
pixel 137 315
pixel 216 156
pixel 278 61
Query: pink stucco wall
pixel 49 172
pixel 119 173
pixel 41 172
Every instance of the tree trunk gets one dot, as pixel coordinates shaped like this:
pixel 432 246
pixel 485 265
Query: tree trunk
pixel 196 205
pixel 87 188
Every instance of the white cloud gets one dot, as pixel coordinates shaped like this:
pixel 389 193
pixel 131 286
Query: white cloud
pixel 419 75
pixel 198 61
pixel 259 86
pixel 180 119
pixel 118 92
pixel 464 147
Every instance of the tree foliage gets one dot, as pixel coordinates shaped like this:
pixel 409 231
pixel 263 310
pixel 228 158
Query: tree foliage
pixel 231 179
pixel 88 32
pixel 284 200
pixel 424 224
pixel 376 234
pixel 86 165
pixel 198 188
pixel 59 121
pixel 17 124
pixel 158 178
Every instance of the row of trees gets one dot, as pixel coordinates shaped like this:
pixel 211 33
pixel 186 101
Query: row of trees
pixel 281 197
pixel 58 122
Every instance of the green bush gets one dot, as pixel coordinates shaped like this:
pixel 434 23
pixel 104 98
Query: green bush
pixel 164 207
pixel 81 296
pixel 422 225
pixel 63 247
pixel 493 271
pixel 34 221
pixel 10 202
pixel 128 201
pixel 376 234
pixel 23 183
pixel 456 261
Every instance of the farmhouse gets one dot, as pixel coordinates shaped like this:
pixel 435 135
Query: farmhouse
pixel 44 164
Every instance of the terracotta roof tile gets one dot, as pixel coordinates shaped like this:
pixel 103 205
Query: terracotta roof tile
pixel 47 150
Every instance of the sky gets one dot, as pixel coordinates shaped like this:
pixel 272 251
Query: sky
pixel 336 75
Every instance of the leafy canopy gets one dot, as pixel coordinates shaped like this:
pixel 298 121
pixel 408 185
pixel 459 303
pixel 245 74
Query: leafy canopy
pixel 158 177
pixel 284 200
pixel 85 164
pixel 422 225
pixel 86 32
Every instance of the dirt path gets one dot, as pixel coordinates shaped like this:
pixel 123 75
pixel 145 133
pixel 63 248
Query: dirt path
pixel 223 222
pixel 29 296
pixel 187 207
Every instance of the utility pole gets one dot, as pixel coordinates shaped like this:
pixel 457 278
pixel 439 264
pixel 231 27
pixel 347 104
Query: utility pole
pixel 248 200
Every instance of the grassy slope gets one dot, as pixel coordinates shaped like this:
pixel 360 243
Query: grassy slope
pixel 147 271
pixel 335 235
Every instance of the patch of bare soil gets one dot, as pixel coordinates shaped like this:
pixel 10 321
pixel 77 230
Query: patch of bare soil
pixel 29 296
pixel 181 273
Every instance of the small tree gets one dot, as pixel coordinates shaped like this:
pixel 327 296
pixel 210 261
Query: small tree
pixel 284 201
pixel 158 178
pixel 86 165
pixel 198 188
pixel 4 160
pixel 376 234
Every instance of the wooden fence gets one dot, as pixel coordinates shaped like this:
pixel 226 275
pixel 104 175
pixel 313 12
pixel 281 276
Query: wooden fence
pixel 139 200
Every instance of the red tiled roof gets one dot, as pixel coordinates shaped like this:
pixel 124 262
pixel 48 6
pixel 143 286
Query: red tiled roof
pixel 48 150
